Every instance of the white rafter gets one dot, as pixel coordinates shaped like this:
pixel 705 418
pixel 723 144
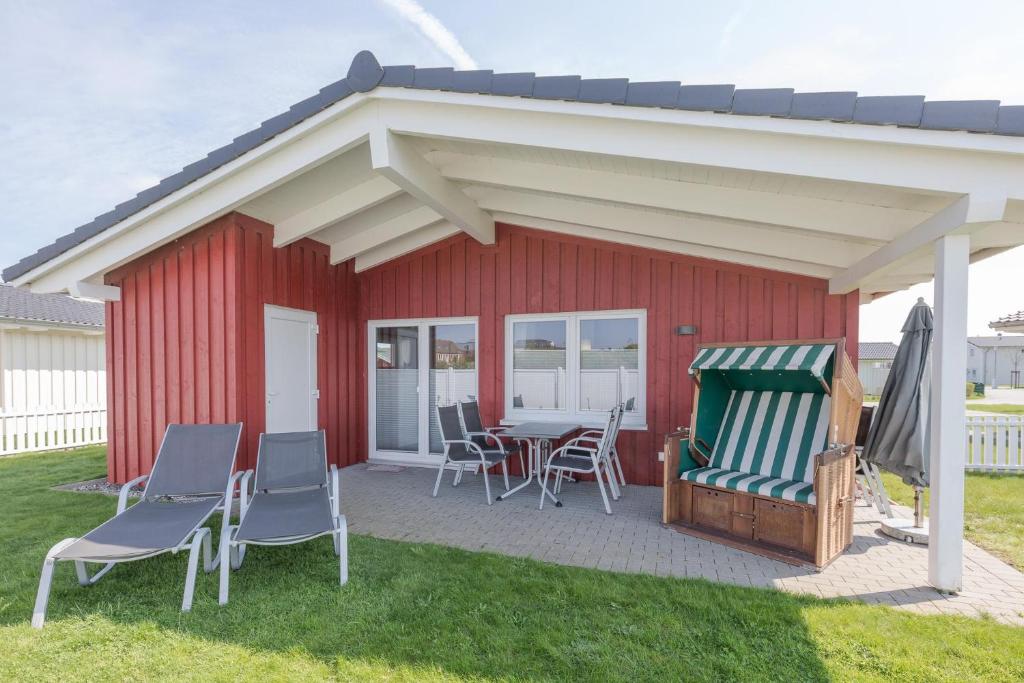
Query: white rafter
pixel 718 233
pixel 380 233
pixel 808 213
pixel 396 159
pixel 339 207
pixel 969 212
pixel 405 244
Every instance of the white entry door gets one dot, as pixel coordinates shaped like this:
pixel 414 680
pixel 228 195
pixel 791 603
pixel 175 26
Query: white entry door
pixel 290 349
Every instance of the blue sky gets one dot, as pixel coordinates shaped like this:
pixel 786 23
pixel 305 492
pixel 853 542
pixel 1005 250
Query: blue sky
pixel 102 99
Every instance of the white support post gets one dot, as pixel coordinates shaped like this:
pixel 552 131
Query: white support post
pixel 948 410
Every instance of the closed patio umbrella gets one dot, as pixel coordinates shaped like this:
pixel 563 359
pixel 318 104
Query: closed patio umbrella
pixel 898 438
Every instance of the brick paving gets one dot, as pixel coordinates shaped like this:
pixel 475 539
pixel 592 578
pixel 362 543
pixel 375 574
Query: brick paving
pixel 381 502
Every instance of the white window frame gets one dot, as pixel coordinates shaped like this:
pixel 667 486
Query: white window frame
pixel 572 413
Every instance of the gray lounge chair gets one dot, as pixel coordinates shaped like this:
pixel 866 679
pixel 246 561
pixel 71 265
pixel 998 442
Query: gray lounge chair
pixel 462 452
pixel 190 480
pixel 295 499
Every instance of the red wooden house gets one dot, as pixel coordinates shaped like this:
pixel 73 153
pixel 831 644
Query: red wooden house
pixel 551 245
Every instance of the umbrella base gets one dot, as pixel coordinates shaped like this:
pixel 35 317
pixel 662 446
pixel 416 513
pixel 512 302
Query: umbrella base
pixel 905 530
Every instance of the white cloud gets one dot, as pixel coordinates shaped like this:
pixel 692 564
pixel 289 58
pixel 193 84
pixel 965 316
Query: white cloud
pixel 433 30
pixel 737 17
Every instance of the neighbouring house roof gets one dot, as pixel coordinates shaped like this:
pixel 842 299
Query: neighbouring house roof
pixel 1003 341
pixel 876 351
pixel 17 303
pixel 1013 322
pixel 365 74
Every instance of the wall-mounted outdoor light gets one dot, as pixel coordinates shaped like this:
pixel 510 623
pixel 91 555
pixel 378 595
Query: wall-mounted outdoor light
pixel 684 330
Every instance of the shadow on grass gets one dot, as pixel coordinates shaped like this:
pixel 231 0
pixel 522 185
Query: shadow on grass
pixel 409 605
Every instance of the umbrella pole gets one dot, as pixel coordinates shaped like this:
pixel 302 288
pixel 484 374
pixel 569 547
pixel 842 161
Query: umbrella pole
pixel 918 507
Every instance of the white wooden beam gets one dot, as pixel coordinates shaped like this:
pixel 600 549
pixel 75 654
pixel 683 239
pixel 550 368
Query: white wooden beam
pixel 405 244
pixel 94 291
pixel 382 233
pixel 948 413
pixel 967 211
pixel 809 213
pixel 736 255
pixel 402 164
pixel 720 233
pixel 339 207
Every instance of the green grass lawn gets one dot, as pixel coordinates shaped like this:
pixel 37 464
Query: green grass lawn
pixel 1008 408
pixel 993 511
pixel 422 612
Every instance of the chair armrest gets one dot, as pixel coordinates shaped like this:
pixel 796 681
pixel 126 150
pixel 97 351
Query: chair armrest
pixel 496 430
pixel 488 435
pixel 592 451
pixel 472 445
pixel 122 496
pixel 592 433
pixel 335 501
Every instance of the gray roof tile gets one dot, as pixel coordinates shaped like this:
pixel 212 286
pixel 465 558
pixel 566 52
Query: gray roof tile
pixel 900 110
pixel 604 90
pixel 762 101
pixel 472 81
pixel 516 85
pixel 18 303
pixel 978 116
pixel 876 350
pixel 834 106
pixel 706 97
pixel 656 94
pixel 366 73
pixel 556 87
pixel 433 79
pixel 1011 120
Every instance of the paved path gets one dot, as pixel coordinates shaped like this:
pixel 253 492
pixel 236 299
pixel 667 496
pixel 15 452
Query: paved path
pixel 397 505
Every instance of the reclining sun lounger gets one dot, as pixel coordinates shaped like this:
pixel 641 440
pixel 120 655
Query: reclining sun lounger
pixel 190 480
pixel 295 499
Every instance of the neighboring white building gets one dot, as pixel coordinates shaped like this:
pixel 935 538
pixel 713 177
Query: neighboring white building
pixel 53 386
pixel 996 361
pixel 873 362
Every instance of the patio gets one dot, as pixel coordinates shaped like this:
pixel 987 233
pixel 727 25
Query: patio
pixel 395 503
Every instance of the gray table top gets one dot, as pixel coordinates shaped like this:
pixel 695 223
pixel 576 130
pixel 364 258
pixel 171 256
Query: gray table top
pixel 541 430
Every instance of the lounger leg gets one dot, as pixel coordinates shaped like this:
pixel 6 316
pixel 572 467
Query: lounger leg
pixel 83 573
pixel 193 567
pixel 341 537
pixel 504 473
pixel 437 482
pixel 45 579
pixel 227 553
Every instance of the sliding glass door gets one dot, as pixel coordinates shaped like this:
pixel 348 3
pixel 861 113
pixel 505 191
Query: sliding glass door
pixel 415 366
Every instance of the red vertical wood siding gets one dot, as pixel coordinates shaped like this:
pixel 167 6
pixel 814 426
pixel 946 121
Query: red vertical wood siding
pixel 531 271
pixel 185 343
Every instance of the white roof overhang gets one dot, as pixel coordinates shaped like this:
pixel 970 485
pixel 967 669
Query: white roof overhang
pixel 383 173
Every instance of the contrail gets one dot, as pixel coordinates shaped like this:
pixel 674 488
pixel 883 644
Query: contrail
pixel 433 30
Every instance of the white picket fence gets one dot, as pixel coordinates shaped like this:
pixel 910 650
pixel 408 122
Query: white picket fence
pixel 994 443
pixel 50 428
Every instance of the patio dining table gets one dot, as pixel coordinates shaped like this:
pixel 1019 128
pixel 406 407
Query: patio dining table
pixel 538 437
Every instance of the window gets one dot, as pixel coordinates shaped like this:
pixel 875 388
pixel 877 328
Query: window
pixel 576 366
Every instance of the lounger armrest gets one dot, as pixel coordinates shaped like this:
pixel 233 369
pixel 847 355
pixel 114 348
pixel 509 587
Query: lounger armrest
pixel 335 501
pixel 122 497
pixel 244 491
